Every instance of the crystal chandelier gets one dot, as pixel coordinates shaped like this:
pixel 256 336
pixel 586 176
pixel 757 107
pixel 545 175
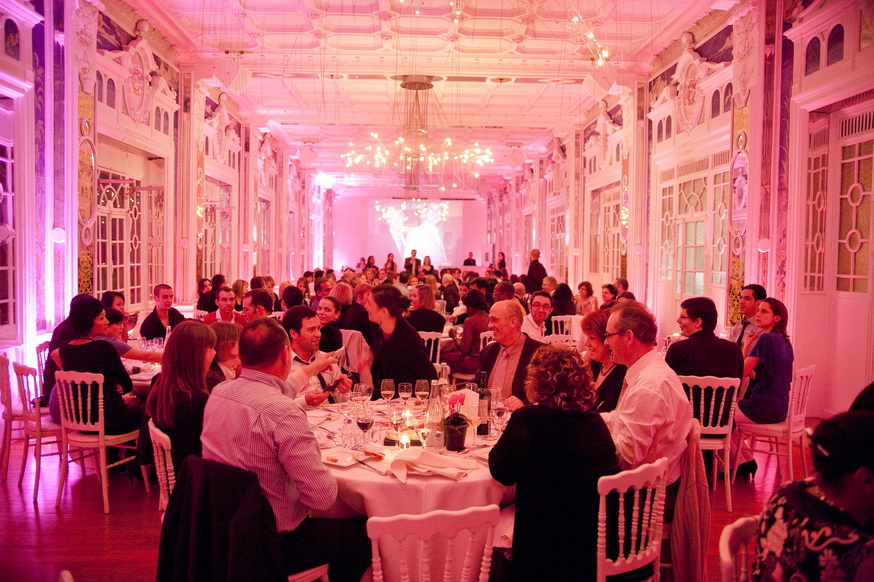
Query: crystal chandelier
pixel 421 159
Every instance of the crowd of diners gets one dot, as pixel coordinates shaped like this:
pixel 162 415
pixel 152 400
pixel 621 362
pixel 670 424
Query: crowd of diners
pixel 235 385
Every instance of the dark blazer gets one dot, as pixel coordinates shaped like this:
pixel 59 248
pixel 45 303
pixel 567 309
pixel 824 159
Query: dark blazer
pixel 450 295
pixel 401 357
pixel 704 354
pixel 536 275
pixel 356 318
pixel 206 302
pixel 152 326
pixel 412 265
pixel 426 320
pixel 490 354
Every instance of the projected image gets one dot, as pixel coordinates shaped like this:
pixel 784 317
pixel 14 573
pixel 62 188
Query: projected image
pixel 431 227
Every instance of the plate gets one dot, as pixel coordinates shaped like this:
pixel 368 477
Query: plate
pixel 338 458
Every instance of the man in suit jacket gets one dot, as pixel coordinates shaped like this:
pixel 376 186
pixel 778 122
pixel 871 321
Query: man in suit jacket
pixel 506 358
pixel 703 354
pixel 225 301
pixel 536 273
pixel 412 263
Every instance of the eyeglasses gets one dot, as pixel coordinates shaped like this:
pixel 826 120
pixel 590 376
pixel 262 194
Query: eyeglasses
pixel 606 335
pixel 540 306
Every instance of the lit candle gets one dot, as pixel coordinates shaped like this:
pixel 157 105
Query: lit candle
pixel 405 441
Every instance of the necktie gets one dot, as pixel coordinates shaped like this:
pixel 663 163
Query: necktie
pixel 743 328
pixel 502 366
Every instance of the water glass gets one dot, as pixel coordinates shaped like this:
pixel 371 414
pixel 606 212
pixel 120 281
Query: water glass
pixel 405 390
pixel 387 389
pixel 422 390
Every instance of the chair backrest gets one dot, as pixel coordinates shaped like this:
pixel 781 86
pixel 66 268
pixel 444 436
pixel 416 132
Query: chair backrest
pixel 161 445
pixel 561 325
pixel 478 522
pixel 81 399
pixel 28 389
pixel 485 337
pixel 734 549
pixel 42 356
pixel 713 401
pixel 798 394
pixel 432 344
pixel 641 492
pixel 5 389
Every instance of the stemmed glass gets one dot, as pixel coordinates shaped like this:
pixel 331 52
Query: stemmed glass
pixel 361 393
pixel 364 420
pixel 500 415
pixel 387 389
pixel 396 418
pixel 422 390
pixel 405 390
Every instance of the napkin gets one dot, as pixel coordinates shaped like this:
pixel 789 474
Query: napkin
pixel 504 530
pixel 416 461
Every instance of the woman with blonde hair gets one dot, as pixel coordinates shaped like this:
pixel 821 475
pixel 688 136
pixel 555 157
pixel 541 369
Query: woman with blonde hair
pixel 422 315
pixel 431 281
pixel 240 287
pixel 556 524
pixel 344 293
pixel 178 397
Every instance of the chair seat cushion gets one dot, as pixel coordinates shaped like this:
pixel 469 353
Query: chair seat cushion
pixel 83 439
pixel 777 429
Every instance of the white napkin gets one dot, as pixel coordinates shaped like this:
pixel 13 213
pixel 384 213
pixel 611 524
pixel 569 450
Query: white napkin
pixel 415 461
pixel 504 531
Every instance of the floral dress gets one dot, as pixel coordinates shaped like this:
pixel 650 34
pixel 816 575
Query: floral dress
pixel 803 537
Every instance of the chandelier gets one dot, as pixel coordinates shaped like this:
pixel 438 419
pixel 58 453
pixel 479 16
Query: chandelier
pixel 415 153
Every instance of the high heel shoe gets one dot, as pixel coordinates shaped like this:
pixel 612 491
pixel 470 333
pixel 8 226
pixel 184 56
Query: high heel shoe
pixel 747 471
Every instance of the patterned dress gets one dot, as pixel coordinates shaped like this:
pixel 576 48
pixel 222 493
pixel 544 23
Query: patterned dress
pixel 802 537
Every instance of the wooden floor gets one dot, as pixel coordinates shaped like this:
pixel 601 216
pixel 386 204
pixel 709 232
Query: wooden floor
pixel 37 541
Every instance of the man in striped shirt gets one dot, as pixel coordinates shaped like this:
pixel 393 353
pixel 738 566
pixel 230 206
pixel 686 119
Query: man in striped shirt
pixel 251 424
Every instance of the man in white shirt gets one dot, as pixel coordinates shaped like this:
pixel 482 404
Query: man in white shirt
pixel 314 374
pixel 653 415
pixel 534 324
pixel 250 424
pixel 748 303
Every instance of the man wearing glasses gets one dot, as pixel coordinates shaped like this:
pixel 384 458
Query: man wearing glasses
pixel 534 324
pixel 703 354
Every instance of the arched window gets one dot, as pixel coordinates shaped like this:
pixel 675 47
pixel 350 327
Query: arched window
pixel 157 119
pixel 99 87
pixel 166 123
pixel 668 128
pixel 715 104
pixel 729 93
pixel 110 93
pixel 811 64
pixel 835 45
pixel 11 39
pixel 660 132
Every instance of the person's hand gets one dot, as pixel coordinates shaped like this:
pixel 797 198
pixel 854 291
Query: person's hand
pixel 315 398
pixel 344 384
pixel 452 332
pixel 322 362
pixel 514 403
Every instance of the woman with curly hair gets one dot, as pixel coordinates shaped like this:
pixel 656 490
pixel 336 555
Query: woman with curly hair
pixel 554 451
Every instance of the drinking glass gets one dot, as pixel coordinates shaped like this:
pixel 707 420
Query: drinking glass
pixel 387 389
pixel 500 415
pixel 364 420
pixel 405 390
pixel 361 393
pixel 422 390
pixel 396 418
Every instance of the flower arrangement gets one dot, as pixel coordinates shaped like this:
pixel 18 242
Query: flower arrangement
pixel 455 424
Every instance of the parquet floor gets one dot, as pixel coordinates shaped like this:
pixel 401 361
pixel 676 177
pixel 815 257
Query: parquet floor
pixel 37 541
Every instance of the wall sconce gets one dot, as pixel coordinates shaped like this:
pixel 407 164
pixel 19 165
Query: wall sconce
pixel 245 248
pixel 184 243
pixel 59 235
pixel 764 245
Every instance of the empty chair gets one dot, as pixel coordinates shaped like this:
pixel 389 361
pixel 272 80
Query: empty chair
pixel 432 344
pixel 42 355
pixel 641 493
pixel 81 426
pixel 12 413
pixel 561 324
pixel 37 426
pixel 782 433
pixel 734 549
pixel 162 446
pixel 428 530
pixel 713 403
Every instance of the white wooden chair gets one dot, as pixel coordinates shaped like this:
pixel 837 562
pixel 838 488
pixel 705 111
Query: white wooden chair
pixel 782 432
pixel 734 549
pixel 561 325
pixel 37 426
pixel 424 528
pixel 485 338
pixel 317 573
pixel 78 393
pixel 162 446
pixel 642 493
pixel 432 344
pixel 713 402
pixel 42 356
pixel 12 414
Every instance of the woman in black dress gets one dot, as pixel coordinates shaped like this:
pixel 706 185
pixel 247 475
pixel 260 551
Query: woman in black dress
pixel 554 451
pixel 422 315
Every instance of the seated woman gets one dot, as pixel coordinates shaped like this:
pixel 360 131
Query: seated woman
pixel 114 335
pixel 563 301
pixel 87 354
pixel 240 287
pixel 449 291
pixel 768 361
pixel 608 295
pixel 820 528
pixel 556 523
pixel 586 301
pixel 179 395
pixel 608 375
pixel 328 312
pixel 463 354
pixel 344 294
pixel 226 365
pixel 422 315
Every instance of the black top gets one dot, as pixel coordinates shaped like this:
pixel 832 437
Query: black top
pixel 450 295
pixel 427 269
pixel 704 354
pixel 187 425
pixel 356 318
pixel 536 275
pixel 402 356
pixel 563 308
pixel 426 320
pixel 555 458
pixel 469 262
pixel 490 354
pixel 152 326
pixel 610 389
pixel 61 336
pixel 99 357
pixel 332 339
pixel 206 302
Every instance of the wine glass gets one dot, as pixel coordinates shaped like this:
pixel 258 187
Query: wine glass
pixel 364 420
pixel 405 390
pixel 500 415
pixel 396 418
pixel 361 393
pixel 387 389
pixel 422 390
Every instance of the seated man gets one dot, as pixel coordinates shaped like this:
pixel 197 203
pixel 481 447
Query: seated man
pixel 257 303
pixel 164 315
pixel 703 354
pixel 534 325
pixel 314 373
pixel 225 301
pixel 291 296
pixel 249 423
pixel 506 359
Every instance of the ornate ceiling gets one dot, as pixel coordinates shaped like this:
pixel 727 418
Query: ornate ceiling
pixel 508 72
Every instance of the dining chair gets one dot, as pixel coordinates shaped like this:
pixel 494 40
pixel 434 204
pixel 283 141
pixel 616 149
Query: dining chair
pixel 485 338
pixel 561 325
pixel 782 432
pixel 641 492
pixel 42 356
pixel 37 426
pixel 162 446
pixel 12 414
pixel 432 344
pixel 83 427
pixel 714 400
pixel 734 549
pixel 403 533
pixel 358 355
